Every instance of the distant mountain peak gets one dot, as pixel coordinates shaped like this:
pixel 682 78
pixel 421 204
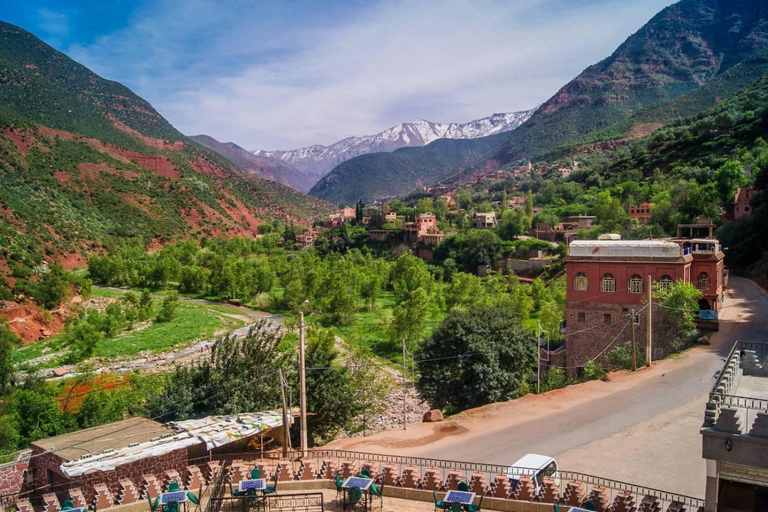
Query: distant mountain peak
pixel 319 159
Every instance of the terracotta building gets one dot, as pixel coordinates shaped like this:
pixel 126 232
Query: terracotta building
pixel 424 230
pixel 741 203
pixel 607 279
pixel 641 213
pixel 485 220
pixel 308 238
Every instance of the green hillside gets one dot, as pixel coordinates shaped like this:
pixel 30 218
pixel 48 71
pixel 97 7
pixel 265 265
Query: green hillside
pixel 378 175
pixel 83 159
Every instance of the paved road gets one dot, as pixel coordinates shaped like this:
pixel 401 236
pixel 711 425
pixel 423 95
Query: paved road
pixel 644 429
pixel 600 418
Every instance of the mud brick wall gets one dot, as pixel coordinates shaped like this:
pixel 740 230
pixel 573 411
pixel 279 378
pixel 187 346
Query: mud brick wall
pixel 582 347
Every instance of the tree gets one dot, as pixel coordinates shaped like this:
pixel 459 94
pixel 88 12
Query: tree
pixel 441 209
pixel 81 336
pixel 100 408
pixel 681 301
pixel 369 388
pixel 8 340
pixel 35 412
pixel 424 206
pixel 728 178
pixel 409 274
pixel 464 290
pixel 463 198
pixel 550 316
pixel 497 355
pixel 53 287
pixel 329 388
pixel 409 318
pixel 169 307
pixel 9 436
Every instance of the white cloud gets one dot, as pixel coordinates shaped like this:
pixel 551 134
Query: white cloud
pixel 267 83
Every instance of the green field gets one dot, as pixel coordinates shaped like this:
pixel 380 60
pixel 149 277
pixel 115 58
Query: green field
pixel 194 321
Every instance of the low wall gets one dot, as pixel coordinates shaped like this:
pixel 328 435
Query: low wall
pixel 401 477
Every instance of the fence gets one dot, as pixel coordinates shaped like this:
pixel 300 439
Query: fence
pixel 440 474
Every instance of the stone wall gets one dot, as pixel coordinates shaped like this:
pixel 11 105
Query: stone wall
pixel 595 338
pixel 12 474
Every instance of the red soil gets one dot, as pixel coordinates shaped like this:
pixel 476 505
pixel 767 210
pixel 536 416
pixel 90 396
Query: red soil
pixel 203 166
pixel 20 138
pixel 72 260
pixel 149 141
pixel 155 163
pixel 140 201
pixel 29 321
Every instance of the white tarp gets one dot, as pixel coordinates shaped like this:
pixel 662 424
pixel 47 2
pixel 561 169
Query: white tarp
pixel 624 249
pixel 214 431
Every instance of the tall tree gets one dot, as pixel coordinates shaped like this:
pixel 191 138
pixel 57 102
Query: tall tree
pixel 495 354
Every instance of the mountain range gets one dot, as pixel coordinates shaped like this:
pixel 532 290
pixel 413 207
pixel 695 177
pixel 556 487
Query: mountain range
pixel 680 50
pixel 85 163
pixel 319 160
pixel 264 167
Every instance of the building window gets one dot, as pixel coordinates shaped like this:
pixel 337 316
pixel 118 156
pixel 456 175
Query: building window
pixel 703 281
pixel 606 318
pixel 608 283
pixel 580 283
pixel 635 284
pixel 665 282
pixel 582 317
pixel 636 319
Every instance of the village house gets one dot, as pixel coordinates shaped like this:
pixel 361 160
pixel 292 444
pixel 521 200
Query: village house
pixel 607 279
pixel 390 216
pixel 307 239
pixel 486 220
pixel 641 213
pixel 334 221
pixel 424 230
pixel 741 203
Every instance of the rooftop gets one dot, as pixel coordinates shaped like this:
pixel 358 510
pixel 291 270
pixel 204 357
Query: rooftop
pixel 105 437
pixel 624 248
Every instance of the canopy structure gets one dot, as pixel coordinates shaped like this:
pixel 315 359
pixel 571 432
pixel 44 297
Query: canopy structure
pixel 624 248
pixel 213 431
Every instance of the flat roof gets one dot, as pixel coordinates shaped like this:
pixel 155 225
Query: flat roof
pixel 112 436
pixel 624 248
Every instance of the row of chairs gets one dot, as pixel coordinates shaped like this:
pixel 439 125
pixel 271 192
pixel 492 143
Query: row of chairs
pixel 172 506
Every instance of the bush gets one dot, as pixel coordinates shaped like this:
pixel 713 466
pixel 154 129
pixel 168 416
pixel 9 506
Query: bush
pixel 593 371
pixel 168 308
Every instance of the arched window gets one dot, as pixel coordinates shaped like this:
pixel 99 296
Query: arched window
pixel 665 282
pixel 703 281
pixel 580 283
pixel 635 284
pixel 608 284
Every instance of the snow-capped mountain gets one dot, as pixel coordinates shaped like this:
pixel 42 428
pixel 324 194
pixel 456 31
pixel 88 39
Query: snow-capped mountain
pixel 320 160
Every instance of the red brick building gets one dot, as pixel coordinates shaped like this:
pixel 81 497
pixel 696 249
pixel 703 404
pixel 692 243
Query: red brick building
pixel 607 279
pixel 741 203
pixel 641 212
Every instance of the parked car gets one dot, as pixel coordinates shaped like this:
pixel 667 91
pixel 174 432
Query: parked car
pixel 535 466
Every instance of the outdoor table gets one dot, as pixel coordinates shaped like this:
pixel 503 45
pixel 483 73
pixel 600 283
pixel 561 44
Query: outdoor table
pixel 257 484
pixel 464 497
pixel 357 481
pixel 174 497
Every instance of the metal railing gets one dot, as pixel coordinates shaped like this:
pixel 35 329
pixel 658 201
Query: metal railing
pixel 306 502
pixel 467 470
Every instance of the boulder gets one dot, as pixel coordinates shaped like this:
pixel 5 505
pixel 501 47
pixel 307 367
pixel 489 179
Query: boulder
pixel 432 416
pixel 60 372
pixel 703 340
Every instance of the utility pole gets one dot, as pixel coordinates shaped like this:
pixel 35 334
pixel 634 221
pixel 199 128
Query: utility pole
pixel 538 357
pixel 285 415
pixel 649 344
pixel 302 386
pixel 634 343
pixel 405 422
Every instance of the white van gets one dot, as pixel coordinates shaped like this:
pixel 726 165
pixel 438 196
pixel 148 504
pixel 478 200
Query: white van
pixel 535 466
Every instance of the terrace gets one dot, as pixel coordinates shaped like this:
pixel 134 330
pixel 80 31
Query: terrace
pixel 735 429
pixel 407 483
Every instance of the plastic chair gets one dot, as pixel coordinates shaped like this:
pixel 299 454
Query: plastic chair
pixel 339 489
pixel 365 473
pixel 379 493
pixel 476 508
pixel 67 505
pixel 255 473
pixel 153 506
pixel 456 507
pixel 271 489
pixel 463 487
pixel 439 504
pixel 173 486
pixel 193 499
pixel 355 493
pixel 235 493
pixel 588 505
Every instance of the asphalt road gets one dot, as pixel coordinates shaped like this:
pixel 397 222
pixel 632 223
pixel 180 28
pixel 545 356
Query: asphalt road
pixel 745 317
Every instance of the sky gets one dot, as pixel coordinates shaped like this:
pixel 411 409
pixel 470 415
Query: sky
pixel 288 74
